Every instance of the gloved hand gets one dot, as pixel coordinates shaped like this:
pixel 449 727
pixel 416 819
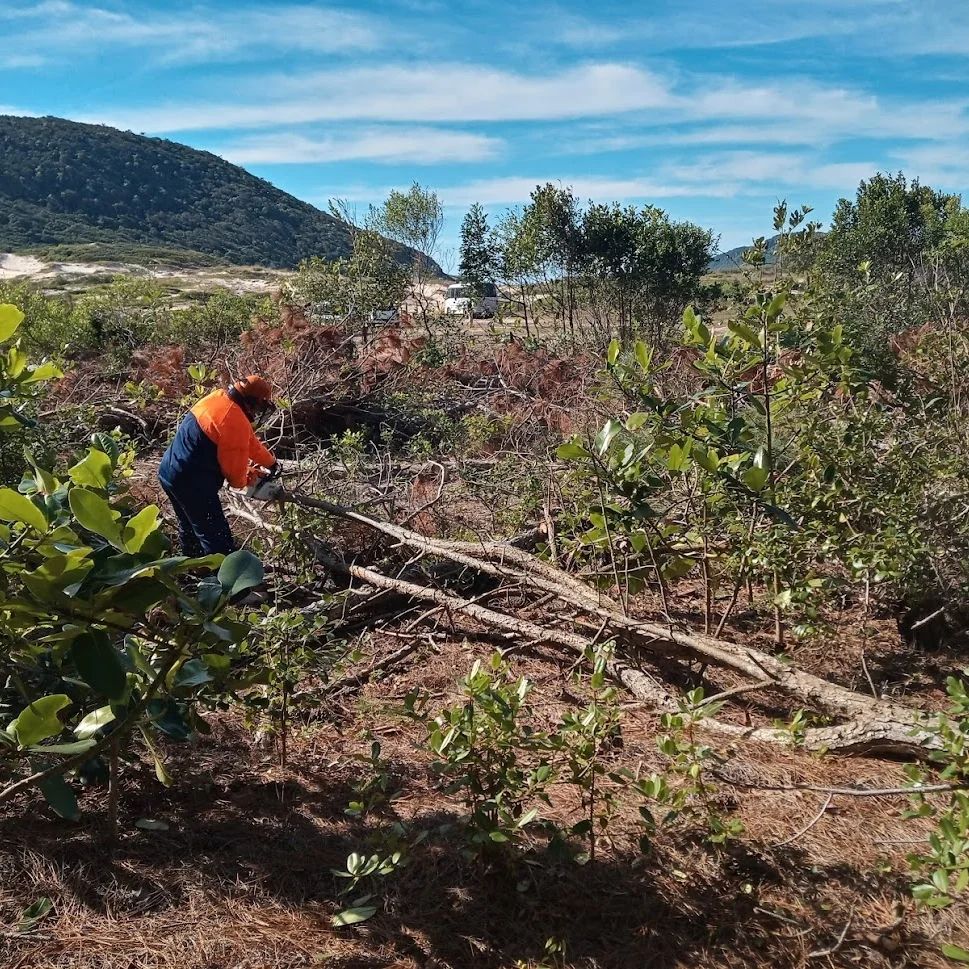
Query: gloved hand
pixel 274 472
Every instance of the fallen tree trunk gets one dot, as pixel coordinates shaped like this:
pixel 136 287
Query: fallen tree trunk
pixel 871 725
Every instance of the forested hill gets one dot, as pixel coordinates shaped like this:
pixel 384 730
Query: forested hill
pixel 734 258
pixel 65 182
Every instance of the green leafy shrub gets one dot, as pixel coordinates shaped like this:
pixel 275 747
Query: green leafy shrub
pixel 99 641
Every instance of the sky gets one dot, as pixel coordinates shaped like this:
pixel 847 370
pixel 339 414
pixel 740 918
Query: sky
pixel 712 110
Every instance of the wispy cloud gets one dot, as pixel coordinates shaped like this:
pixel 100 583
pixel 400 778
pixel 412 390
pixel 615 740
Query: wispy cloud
pixel 940 165
pixel 720 176
pixel 873 26
pixel 196 34
pixel 438 93
pixel 17 62
pixel 514 189
pixel 417 145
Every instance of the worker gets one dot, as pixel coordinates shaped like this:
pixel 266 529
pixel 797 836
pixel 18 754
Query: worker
pixel 215 442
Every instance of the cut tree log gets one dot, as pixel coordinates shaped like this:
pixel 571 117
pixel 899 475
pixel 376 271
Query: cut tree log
pixel 868 724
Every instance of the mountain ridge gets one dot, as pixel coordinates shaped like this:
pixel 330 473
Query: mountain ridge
pixel 66 182
pixel 733 258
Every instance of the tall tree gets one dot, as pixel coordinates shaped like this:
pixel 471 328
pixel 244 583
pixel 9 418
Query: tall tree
pixel 642 266
pixel 553 212
pixel 876 260
pixel 477 265
pixel 516 256
pixel 890 224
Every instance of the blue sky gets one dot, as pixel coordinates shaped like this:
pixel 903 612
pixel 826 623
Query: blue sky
pixel 711 110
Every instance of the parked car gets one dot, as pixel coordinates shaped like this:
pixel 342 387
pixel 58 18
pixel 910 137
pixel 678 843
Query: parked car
pixel 385 314
pixel 459 296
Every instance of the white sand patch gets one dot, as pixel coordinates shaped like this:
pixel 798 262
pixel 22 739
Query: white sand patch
pixel 13 266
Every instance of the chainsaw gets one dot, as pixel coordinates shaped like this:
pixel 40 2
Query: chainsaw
pixel 267 488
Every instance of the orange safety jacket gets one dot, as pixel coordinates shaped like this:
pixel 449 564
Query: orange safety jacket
pixel 215 441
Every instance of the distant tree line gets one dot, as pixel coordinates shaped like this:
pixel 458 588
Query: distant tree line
pixel 617 269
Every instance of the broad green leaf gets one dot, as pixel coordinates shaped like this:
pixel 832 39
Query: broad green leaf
pixel 15 507
pixel 678 458
pixel 68 750
pixel 44 371
pixel 61 797
pixel 98 664
pixel 571 451
pixel 745 332
pixel 755 478
pixel 167 717
pixel 644 356
pixel 32 914
pixel 240 571
pixel 39 721
pixel 612 354
pixel 635 421
pixel 96 515
pixel 193 673
pixel 605 436
pixel 161 772
pixel 93 722
pixel 676 567
pixel 93 471
pixel 46 483
pixel 707 458
pixel 140 527
pixel 61 573
pixel 17 362
pixel 776 305
pixel 527 818
pixel 10 320
pixel 351 916
pixel 955 952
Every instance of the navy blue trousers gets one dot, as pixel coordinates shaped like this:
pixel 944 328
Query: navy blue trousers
pixel 202 525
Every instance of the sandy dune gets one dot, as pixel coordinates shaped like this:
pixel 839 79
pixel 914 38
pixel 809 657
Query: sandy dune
pixel 13 266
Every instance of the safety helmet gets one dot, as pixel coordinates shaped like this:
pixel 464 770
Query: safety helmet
pixel 254 395
pixel 255 387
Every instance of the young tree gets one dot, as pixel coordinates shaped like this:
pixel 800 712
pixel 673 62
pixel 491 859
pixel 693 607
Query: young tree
pixel 414 219
pixel 478 262
pixel 553 214
pixel 641 265
pixel 516 256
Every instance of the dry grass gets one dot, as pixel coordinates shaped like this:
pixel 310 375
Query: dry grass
pixel 242 877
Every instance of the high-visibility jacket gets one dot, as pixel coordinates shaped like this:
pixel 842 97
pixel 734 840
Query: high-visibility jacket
pixel 214 443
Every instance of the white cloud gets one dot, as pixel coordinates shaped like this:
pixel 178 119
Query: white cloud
pixel 720 176
pixel 650 109
pixel 514 189
pixel 420 146
pixel 938 165
pixel 873 27
pixel 17 62
pixel 196 34
pixel 443 92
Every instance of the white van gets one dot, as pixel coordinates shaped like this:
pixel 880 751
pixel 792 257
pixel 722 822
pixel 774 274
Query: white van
pixel 458 298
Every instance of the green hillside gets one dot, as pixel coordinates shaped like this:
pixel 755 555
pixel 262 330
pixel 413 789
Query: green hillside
pixel 65 182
